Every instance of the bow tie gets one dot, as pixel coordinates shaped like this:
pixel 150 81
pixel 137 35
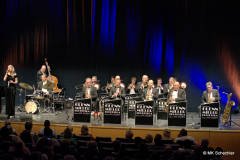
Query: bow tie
pixel 175 90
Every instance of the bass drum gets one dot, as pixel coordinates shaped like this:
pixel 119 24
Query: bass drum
pixel 31 107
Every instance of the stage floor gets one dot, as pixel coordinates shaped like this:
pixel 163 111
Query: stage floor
pixel 61 118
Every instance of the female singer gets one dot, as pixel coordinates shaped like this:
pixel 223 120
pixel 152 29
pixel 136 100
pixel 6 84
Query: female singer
pixel 10 92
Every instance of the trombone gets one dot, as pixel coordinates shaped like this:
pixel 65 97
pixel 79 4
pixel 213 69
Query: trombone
pixel 80 86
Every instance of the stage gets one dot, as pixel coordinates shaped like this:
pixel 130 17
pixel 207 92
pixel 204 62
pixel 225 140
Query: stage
pixel 227 138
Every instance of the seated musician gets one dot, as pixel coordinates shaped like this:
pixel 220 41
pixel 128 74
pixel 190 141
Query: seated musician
pixel 95 83
pixel 42 83
pixel 168 86
pixel 41 72
pixel 132 89
pixel 176 94
pixel 159 86
pixel 89 91
pixel 141 85
pixel 150 93
pixel 111 84
pixel 117 91
pixel 209 96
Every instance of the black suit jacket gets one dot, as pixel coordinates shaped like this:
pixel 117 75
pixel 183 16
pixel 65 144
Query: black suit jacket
pixel 113 90
pixel 128 90
pixel 93 92
pixel 162 89
pixel 39 75
pixel 166 88
pixel 154 92
pixel 215 94
pixel 181 96
pixel 40 85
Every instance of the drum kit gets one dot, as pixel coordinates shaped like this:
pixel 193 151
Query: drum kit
pixel 32 101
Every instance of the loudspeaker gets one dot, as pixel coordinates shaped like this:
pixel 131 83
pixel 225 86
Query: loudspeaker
pixel 26 118
pixel 3 117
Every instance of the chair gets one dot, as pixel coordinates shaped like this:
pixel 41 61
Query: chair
pixel 70 141
pixel 127 145
pixel 104 139
pixel 130 152
pixel 185 153
pixel 174 146
pixel 82 149
pixel 124 140
pixel 59 136
pixel 82 143
pixel 57 150
pixel 102 144
pixel 6 145
pixel 83 137
pixel 106 151
pixel 160 152
pixel 167 141
pixel 180 142
pixel 29 146
pixel 40 135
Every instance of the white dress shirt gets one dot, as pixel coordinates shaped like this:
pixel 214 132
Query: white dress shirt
pixel 174 94
pixel 44 90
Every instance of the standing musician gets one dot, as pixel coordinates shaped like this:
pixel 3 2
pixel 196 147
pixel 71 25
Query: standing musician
pixel 89 91
pixel 168 86
pixel 150 93
pixel 159 86
pixel 132 89
pixel 41 72
pixel 10 92
pixel 209 96
pixel 141 85
pixel 117 91
pixel 176 94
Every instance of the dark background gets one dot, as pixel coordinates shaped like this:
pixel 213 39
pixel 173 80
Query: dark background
pixel 194 41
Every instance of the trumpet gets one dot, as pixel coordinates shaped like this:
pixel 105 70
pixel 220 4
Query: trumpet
pixel 105 87
pixel 131 86
pixel 80 86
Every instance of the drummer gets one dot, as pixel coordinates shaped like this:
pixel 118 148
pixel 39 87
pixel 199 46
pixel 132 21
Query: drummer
pixel 42 83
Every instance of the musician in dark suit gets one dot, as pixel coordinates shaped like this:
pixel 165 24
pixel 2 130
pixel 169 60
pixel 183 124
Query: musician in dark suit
pixel 140 85
pixel 117 91
pixel 89 91
pixel 42 71
pixel 168 86
pixel 159 86
pixel 111 84
pixel 176 94
pixel 151 92
pixel 209 96
pixel 132 89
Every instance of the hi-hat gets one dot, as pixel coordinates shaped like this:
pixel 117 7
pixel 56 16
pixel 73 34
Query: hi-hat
pixel 20 90
pixel 26 86
pixel 49 86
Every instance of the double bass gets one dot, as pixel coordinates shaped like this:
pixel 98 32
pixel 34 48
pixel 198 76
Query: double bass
pixel 52 79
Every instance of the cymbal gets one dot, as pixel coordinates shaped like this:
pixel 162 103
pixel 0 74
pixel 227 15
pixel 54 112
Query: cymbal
pixel 49 86
pixel 20 90
pixel 26 86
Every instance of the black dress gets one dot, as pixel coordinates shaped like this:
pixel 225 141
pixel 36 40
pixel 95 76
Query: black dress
pixel 10 95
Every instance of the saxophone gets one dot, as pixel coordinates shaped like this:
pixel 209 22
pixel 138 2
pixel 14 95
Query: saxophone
pixel 148 95
pixel 228 109
pixel 86 93
pixel 167 103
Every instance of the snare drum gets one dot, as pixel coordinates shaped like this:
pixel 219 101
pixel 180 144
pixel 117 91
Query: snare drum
pixel 38 94
pixel 31 107
pixel 29 97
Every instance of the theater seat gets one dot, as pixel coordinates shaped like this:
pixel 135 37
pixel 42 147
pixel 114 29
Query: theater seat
pixel 130 152
pixel 82 143
pixel 106 152
pixel 127 145
pixel 82 150
pixel 174 146
pixel 102 144
pixel 166 141
pixel 124 140
pixel 6 145
pixel 104 139
pixel 83 138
